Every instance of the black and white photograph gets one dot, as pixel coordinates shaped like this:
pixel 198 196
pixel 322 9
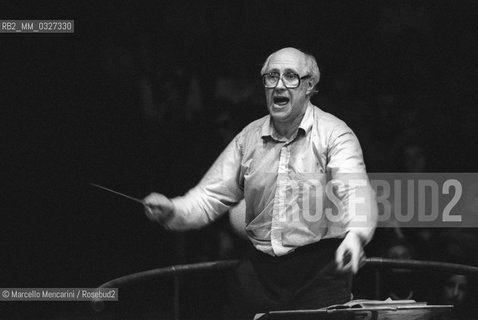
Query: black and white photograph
pixel 254 159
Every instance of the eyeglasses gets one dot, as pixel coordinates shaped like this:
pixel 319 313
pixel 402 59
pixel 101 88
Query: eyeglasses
pixel 291 80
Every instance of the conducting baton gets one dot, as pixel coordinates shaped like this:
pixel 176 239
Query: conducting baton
pixel 116 192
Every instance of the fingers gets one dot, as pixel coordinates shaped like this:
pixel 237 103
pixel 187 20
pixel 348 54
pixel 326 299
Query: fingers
pixel 362 260
pixel 354 261
pixel 339 258
pixel 148 210
pixel 157 207
pixel 349 254
pixel 155 199
pixel 347 261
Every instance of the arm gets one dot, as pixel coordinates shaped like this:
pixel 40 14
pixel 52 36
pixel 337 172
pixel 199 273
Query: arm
pixel 217 191
pixel 358 202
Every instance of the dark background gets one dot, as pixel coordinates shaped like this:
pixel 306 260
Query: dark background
pixel 143 97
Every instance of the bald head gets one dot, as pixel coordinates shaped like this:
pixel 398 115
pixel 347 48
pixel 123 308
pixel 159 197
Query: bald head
pixel 307 62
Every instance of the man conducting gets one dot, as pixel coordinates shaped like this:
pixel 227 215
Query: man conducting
pixel 309 206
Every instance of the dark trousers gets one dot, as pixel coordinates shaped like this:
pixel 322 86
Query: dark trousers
pixel 303 279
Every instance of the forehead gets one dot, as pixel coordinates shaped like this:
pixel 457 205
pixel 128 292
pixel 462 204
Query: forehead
pixel 286 60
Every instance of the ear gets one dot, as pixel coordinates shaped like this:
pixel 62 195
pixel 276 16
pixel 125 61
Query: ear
pixel 310 86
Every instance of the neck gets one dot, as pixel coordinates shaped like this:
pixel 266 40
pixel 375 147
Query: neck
pixel 288 128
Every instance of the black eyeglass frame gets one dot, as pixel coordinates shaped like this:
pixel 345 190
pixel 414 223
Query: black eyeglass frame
pixel 281 78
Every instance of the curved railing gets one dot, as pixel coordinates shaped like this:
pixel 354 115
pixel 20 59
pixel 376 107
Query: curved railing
pixel 177 270
pixel 420 265
pixel 196 268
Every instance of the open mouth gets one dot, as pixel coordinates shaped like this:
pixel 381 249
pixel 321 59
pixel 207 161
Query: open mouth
pixel 281 100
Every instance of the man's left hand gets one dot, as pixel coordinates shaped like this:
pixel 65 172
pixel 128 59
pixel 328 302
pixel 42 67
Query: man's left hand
pixel 349 253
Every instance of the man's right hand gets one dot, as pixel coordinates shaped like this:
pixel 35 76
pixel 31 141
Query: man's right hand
pixel 158 208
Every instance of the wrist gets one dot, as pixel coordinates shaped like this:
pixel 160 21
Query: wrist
pixel 357 237
pixel 168 213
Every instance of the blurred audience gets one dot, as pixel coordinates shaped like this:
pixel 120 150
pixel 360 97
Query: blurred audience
pixel 399 284
pixel 457 290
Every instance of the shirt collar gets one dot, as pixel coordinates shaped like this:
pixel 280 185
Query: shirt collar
pixel 308 119
pixel 268 130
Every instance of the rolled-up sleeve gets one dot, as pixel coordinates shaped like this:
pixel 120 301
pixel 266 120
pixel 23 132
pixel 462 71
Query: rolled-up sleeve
pixel 352 186
pixel 219 189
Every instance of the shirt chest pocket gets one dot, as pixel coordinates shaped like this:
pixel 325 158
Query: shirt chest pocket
pixel 308 159
pixel 263 159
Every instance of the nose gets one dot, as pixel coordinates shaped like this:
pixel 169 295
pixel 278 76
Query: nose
pixel 280 84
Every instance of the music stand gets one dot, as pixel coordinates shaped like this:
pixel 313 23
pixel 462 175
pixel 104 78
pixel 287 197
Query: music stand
pixel 420 312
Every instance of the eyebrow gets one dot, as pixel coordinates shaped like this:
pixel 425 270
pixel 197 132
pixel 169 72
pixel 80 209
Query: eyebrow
pixel 288 70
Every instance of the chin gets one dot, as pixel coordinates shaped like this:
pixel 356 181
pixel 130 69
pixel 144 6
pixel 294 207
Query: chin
pixel 279 115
